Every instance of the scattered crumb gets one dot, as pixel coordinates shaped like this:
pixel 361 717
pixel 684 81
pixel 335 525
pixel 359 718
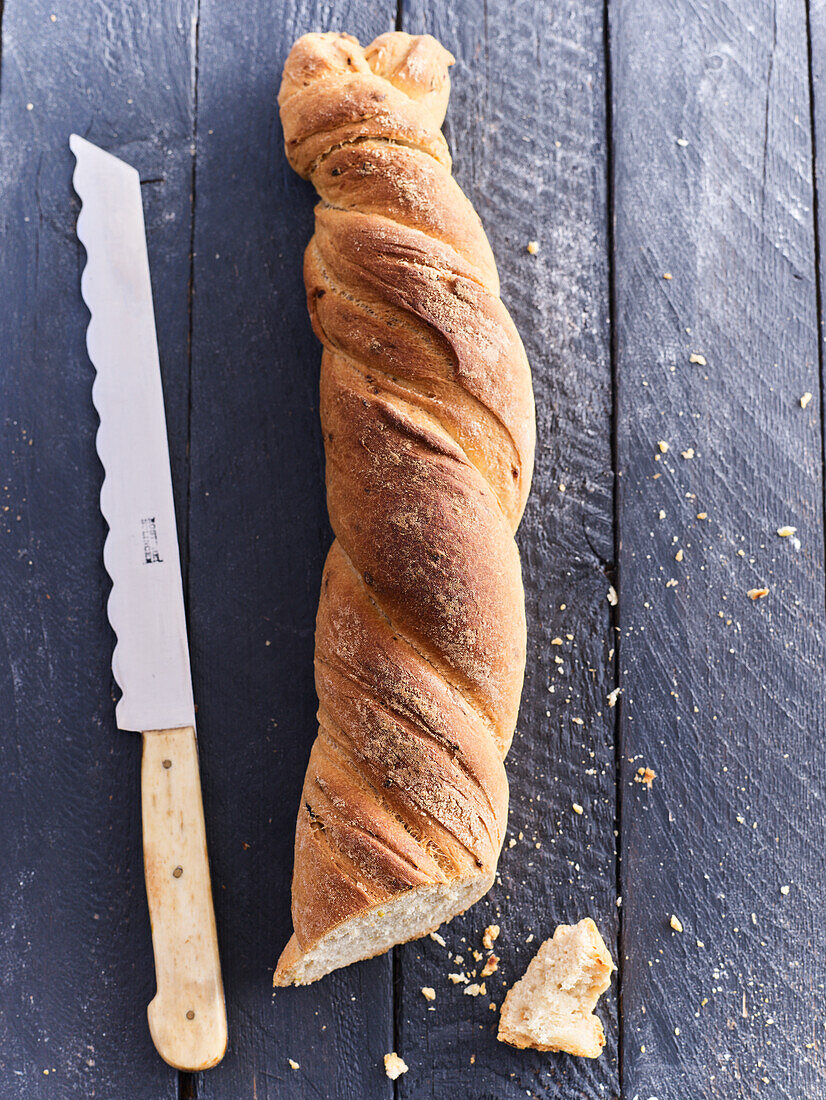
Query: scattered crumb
pixel 394 1066
pixel 661 513
pixel 645 776
pixel 757 593
pixel 578 721
pixel 682 142
pixel 491 933
pixel 700 943
pixel 428 993
pixel 786 532
pixel 511 843
pixel 679 555
pixel 663 446
pixel 805 399
pixel 688 452
pixel 30 107
pixel 676 923
pixel 613 599
pixel 577 808
pixel 533 247
pixel 613 696
pixel 457 979
pixel 784 890
pixel 438 939
pixel 700 360
pixel 668 275
pixel 472 1059
pixel 702 515
pixel 475 990
pixel 556 641
pixel 490 967
pixel 293 1063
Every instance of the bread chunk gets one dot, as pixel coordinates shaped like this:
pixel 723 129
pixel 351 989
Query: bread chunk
pixel 552 1006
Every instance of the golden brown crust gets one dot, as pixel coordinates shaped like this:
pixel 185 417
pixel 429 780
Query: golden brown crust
pixel 427 415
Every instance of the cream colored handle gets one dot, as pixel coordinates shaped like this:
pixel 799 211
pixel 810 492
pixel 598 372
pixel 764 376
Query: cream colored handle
pixel 187 1016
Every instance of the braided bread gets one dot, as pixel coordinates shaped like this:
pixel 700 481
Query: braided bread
pixel 428 424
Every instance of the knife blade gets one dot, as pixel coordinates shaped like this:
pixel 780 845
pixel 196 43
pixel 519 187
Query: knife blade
pixel 146 606
pixel 187 1016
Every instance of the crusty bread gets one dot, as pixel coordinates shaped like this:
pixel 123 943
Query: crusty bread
pixel 551 1007
pixel 428 425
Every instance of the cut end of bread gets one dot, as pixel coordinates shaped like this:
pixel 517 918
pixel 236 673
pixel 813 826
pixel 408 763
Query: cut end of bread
pixel 552 1006
pixel 374 931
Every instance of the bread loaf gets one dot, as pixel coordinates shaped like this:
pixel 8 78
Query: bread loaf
pixel 428 424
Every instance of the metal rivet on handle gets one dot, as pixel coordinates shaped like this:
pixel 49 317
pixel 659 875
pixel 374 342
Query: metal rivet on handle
pixel 177 872
pixel 167 763
pixel 190 1015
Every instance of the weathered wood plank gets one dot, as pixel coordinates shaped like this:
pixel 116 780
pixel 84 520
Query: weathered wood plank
pixel 722 695
pixel 526 125
pixel 259 535
pixel 75 955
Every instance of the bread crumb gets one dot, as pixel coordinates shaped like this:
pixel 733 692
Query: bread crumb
pixel 613 599
pixel 577 808
pixel 473 1059
pixel 394 1066
pixel 613 696
pixel 556 641
pixel 679 555
pixel 511 843
pixel 661 514
pixel 663 446
pixel 293 1064
pixel 682 142
pixel 688 452
pixel 457 978
pixel 428 993
pixel 667 275
pixel 786 532
pixel 645 776
pixel 757 593
pixel 552 1006
pixel 702 515
pixel 675 923
pixel 438 939
pixel 490 967
pixel 700 360
pixel 533 247
pixel 475 990
pixel 805 399
pixel 491 934
pixel 784 890
pixel 578 721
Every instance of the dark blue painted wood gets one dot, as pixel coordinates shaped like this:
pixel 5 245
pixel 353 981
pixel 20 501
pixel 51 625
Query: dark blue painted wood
pixel 258 538
pixel 75 956
pixel 728 710
pixel 722 695
pixel 526 125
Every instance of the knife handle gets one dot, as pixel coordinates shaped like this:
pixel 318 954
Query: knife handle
pixel 187 1015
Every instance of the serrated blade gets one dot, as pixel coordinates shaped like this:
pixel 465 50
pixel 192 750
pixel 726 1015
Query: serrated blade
pixel 146 607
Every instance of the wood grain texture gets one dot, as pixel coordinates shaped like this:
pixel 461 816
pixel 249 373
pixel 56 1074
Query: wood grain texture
pixel 187 1016
pixel 259 534
pixel 75 953
pixel 722 695
pixel 526 126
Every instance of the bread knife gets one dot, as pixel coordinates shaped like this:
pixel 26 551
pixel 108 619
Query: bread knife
pixel 187 1016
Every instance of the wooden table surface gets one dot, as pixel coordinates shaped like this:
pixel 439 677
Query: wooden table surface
pixel 666 156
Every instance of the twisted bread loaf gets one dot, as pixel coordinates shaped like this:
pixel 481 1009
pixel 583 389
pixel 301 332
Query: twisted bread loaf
pixel 427 417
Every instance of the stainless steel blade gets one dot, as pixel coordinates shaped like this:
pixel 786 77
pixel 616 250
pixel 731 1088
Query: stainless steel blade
pixel 146 607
